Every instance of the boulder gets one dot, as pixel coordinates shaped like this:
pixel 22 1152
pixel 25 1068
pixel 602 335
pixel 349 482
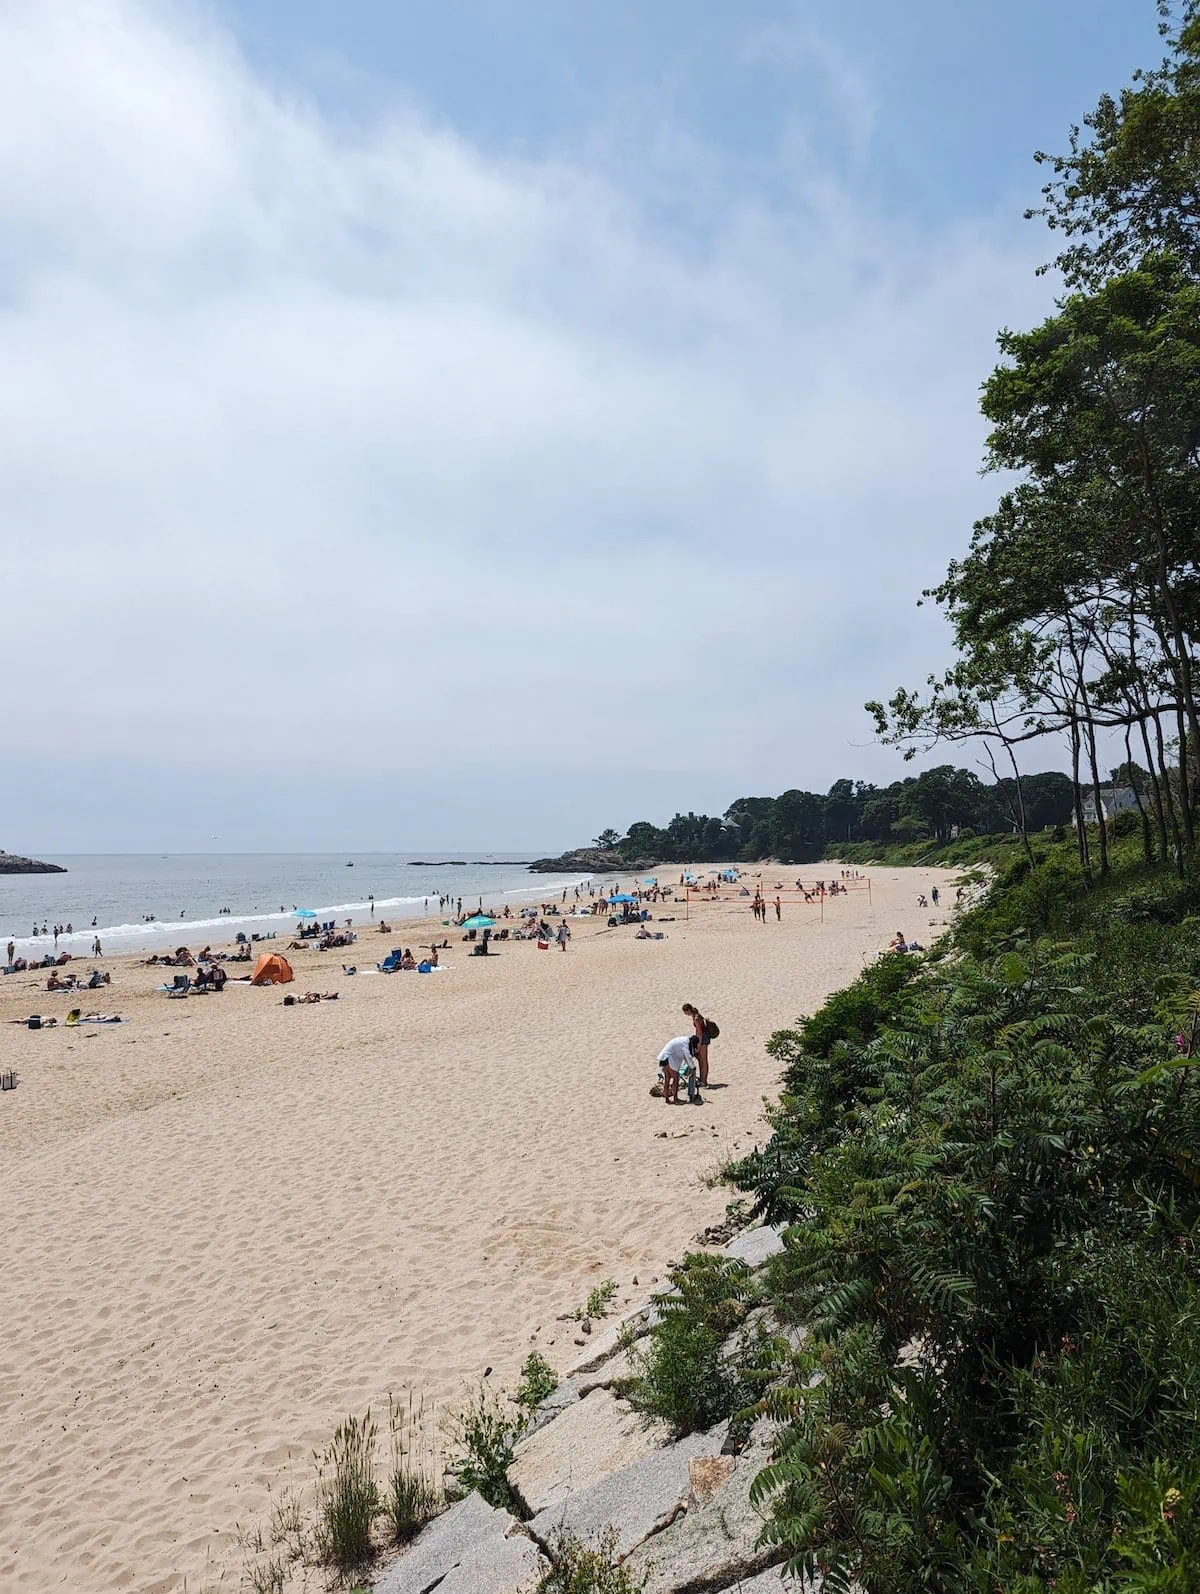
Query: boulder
pixel 616 1370
pixel 605 1344
pixel 715 1542
pixel 613 1370
pixel 590 1439
pixel 635 1502
pixel 567 1393
pixel 470 1549
pixel 755 1246
pixel 513 1566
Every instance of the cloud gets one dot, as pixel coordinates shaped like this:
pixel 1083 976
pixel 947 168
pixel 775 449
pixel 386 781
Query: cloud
pixel 366 449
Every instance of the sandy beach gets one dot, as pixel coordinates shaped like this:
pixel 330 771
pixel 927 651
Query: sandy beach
pixel 228 1223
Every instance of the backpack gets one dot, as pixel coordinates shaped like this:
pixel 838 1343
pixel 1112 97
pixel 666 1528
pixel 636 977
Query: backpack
pixel 711 1029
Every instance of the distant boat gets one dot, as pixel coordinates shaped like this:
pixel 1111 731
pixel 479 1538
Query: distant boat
pixel 349 866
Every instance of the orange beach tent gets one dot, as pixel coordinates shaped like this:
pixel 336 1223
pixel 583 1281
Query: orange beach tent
pixel 272 969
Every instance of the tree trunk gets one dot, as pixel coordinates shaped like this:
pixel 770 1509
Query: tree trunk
pixel 1160 817
pixel 1077 798
pixel 1185 786
pixel 1165 773
pixel 1147 838
pixel 1101 827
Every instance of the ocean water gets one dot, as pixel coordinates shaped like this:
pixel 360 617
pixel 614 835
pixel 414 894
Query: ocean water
pixel 185 893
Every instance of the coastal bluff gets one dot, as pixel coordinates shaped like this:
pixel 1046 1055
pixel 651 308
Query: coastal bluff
pixel 10 863
pixel 591 860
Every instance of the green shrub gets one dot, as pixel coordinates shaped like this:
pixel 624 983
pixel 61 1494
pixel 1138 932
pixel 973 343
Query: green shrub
pixel 1128 823
pixel 694 1369
pixel 484 1433
pixel 589 1569
pixel 600 1299
pixel 851 1014
pixel 1168 901
pixel 348 1496
pixel 538 1381
pixel 999 1268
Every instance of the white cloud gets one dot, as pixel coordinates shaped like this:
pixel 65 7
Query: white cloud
pixel 448 452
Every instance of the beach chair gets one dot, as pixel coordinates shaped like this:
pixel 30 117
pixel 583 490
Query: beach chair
pixel 179 987
pixel 390 963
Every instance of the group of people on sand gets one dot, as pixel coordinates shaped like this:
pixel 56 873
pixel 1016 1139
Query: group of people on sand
pixel 93 983
pixel 685 1059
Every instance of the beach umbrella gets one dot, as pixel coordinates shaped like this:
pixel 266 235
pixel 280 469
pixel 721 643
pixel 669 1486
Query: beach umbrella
pixel 622 896
pixel 480 921
pixel 305 913
pixel 650 880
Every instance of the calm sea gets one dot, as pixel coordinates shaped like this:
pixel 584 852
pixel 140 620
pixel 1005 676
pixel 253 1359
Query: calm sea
pixel 186 892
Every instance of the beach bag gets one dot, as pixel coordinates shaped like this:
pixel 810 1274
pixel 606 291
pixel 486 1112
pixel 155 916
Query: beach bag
pixel 711 1030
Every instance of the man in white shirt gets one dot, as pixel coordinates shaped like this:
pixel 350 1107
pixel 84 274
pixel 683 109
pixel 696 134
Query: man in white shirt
pixel 678 1057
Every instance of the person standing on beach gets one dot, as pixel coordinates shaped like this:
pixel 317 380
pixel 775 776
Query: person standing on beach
pixel 778 910
pixel 96 948
pixel 934 895
pixel 704 1033
pixel 11 950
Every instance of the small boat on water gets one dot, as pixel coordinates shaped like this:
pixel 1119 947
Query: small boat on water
pixel 349 866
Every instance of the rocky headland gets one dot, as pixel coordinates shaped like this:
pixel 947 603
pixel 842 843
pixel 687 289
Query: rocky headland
pixel 11 864
pixel 591 860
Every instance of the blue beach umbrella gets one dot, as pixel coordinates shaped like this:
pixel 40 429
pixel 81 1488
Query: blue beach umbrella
pixel 622 896
pixel 305 913
pixel 650 880
pixel 479 922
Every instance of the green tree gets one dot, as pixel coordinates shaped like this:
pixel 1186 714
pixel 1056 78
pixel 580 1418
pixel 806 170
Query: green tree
pixel 1129 182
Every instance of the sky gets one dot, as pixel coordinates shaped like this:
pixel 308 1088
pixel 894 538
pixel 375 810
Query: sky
pixel 481 422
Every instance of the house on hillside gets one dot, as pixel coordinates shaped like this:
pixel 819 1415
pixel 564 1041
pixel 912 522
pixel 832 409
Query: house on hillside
pixel 1114 800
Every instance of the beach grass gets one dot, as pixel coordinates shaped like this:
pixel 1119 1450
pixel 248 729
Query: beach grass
pixel 348 1496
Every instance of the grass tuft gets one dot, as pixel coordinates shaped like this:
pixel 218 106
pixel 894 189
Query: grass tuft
pixel 348 1496
pixel 414 1494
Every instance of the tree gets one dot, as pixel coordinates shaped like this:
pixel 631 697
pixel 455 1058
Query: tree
pixel 1131 183
pixel 798 827
pixel 607 839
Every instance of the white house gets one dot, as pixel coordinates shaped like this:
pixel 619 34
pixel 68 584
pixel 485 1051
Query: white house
pixel 1114 800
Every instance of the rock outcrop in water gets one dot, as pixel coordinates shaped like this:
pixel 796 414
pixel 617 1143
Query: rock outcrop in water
pixel 591 860
pixel 11 864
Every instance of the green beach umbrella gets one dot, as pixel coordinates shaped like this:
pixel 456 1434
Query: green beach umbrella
pixel 479 922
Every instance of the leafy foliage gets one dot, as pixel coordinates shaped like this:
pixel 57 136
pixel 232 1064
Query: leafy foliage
pixel 804 826
pixel 538 1381
pixel 995 1188
pixel 701 1362
pixel 581 1568
pixel 483 1434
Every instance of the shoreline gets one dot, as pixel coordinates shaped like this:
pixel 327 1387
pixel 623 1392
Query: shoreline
pixel 231 1224
pixel 158 934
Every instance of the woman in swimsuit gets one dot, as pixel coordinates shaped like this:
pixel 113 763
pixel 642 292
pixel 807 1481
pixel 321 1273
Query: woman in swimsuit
pixel 700 1025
